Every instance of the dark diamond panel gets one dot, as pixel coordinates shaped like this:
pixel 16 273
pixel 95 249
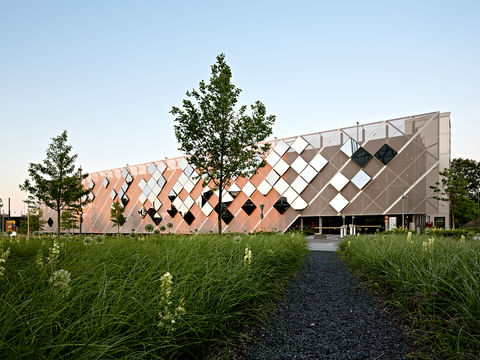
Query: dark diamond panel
pixel 227 216
pixel 172 211
pixel 205 196
pixel 157 219
pixel 50 222
pixel 172 195
pixel 281 205
pixel 385 154
pixel 125 200
pixel 249 207
pixel 188 217
pixel 151 212
pixel 361 157
pixel 142 212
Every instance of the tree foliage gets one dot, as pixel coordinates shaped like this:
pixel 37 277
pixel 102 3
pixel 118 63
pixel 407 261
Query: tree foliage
pixel 221 140
pixel 36 221
pixel 457 188
pixel 69 219
pixel 116 215
pixel 55 182
pixel 470 171
pixel 149 228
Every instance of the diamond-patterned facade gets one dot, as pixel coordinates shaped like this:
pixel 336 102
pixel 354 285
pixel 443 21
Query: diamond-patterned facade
pixel 311 173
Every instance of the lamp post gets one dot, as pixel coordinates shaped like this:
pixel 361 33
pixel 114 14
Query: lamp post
pixel 342 233
pixel 28 202
pixel 1 216
pixel 403 211
pixel 261 215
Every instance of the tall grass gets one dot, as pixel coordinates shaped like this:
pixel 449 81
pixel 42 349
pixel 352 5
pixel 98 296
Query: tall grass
pixel 117 304
pixel 435 281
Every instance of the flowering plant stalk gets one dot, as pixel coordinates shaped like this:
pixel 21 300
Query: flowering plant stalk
pixel 54 253
pixel 168 318
pixel 247 258
pixel 60 280
pixel 3 259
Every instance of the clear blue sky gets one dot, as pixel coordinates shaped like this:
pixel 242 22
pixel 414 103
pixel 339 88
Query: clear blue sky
pixel 109 71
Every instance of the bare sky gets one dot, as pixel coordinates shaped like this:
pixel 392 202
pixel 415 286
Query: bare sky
pixel 109 71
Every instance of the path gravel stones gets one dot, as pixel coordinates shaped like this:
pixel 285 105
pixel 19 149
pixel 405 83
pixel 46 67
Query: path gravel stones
pixel 327 315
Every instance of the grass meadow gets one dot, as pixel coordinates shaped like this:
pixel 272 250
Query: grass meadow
pixel 434 281
pixel 152 297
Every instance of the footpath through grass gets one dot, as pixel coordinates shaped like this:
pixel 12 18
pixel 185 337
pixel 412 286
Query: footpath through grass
pixel 154 297
pixel 435 281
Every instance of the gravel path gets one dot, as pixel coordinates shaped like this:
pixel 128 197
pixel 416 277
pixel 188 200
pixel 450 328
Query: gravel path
pixel 327 315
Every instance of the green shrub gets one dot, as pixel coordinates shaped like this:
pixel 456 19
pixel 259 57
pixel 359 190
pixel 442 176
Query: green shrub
pixel 117 300
pixel 434 280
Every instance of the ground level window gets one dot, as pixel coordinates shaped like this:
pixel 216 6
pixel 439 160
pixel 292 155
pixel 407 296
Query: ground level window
pixel 439 222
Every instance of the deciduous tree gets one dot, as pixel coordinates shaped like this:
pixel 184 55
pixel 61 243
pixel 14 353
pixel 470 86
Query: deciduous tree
pixel 35 221
pixel 116 215
pixel 470 170
pixel 221 140
pixel 55 182
pixel 453 189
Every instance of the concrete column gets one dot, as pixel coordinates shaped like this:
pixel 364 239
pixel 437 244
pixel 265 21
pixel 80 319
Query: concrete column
pixel 320 223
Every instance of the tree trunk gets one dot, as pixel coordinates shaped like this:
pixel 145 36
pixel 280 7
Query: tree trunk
pixel 220 207
pixel 58 221
pixel 453 218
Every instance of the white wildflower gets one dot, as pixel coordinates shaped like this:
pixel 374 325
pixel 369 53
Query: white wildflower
pixel 54 253
pixel 39 259
pixel 87 241
pixel 60 280
pixel 3 259
pixel 428 246
pixel 247 258
pixel 166 286
pixel 168 318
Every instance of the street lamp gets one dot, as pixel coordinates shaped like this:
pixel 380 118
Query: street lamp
pixel 403 211
pixel 261 214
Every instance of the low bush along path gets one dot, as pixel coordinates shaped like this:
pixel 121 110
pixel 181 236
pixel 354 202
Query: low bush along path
pixel 327 315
